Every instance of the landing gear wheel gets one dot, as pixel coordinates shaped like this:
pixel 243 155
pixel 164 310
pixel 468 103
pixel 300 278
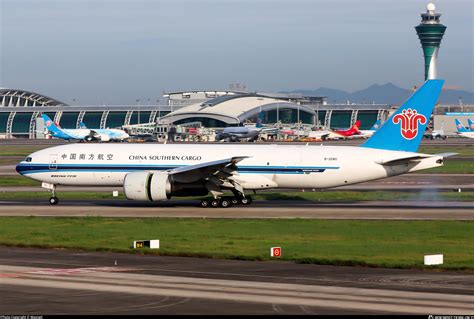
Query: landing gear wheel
pixel 53 200
pixel 225 203
pixel 215 203
pixel 204 203
pixel 234 200
pixel 246 200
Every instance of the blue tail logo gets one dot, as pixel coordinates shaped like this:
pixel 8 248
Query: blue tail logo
pixel 459 126
pixel 471 124
pixel 404 129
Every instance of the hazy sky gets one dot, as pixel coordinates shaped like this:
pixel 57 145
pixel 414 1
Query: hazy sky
pixel 114 52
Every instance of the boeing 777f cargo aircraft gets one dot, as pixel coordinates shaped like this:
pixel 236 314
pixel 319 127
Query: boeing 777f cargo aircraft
pixel 160 171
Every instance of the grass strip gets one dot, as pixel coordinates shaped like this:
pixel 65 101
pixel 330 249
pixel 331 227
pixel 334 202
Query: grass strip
pixel 327 196
pixel 393 244
pixel 18 181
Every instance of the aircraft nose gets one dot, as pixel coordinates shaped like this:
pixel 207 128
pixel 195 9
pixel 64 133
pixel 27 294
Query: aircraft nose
pixel 19 168
pixel 23 165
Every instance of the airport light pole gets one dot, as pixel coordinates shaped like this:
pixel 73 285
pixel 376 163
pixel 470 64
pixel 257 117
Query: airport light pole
pixel 159 108
pixel 138 103
pixel 298 117
pixel 278 111
pixel 317 115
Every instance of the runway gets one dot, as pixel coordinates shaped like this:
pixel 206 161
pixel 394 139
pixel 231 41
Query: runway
pixel 76 282
pixel 369 210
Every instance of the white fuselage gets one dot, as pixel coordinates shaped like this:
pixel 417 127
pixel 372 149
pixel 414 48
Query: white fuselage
pixel 363 134
pixel 466 134
pixel 267 166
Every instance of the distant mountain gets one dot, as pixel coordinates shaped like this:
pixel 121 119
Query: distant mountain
pixel 332 94
pixel 452 97
pixel 386 94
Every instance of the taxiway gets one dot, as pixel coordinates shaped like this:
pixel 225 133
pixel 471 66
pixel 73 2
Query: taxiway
pixel 76 282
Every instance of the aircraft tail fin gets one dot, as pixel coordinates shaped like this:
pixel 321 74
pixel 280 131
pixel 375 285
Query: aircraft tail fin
pixel 354 128
pixel 404 129
pixel 50 125
pixel 376 126
pixel 82 125
pixel 460 127
pixel 471 124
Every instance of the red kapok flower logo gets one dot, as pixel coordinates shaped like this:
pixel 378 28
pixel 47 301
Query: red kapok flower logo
pixel 409 120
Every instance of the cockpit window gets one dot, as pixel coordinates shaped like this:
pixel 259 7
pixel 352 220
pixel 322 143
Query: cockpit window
pixel 28 159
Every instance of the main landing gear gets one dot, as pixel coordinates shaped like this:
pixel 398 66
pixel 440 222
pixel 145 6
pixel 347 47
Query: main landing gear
pixel 226 202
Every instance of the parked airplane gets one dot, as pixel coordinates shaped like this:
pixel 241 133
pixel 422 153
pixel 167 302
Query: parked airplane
pixel 434 134
pixel 337 134
pixel 471 124
pixel 462 131
pixel 367 133
pixel 112 133
pixel 83 133
pixel 249 132
pixel 160 171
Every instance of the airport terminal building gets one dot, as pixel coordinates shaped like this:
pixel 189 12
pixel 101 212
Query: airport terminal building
pixel 227 108
pixel 19 110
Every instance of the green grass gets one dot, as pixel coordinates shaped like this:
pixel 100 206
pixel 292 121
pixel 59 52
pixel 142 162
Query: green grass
pixel 462 150
pixel 394 244
pixel 17 181
pixel 451 167
pixel 328 196
pixel 15 150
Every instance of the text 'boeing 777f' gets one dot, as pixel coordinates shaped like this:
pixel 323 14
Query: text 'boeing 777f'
pixel 158 172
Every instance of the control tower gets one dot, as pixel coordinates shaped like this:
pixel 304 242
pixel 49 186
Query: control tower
pixel 430 31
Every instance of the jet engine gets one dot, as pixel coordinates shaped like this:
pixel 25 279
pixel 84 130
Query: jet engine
pixel 93 136
pixel 158 186
pixel 103 137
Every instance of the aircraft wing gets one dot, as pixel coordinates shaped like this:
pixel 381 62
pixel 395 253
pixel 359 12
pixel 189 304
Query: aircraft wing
pixel 320 134
pixel 216 171
pixel 101 135
pixel 94 133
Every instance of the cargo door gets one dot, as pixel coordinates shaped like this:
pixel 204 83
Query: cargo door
pixel 53 161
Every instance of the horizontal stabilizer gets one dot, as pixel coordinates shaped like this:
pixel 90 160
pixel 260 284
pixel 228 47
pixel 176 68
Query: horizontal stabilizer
pixel 403 160
pixel 446 154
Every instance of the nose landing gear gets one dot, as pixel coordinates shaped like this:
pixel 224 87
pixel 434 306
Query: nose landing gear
pixel 53 200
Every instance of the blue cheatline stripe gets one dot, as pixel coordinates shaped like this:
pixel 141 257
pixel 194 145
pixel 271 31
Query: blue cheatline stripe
pixel 42 168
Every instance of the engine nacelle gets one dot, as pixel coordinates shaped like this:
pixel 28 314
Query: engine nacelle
pixel 103 137
pixel 152 186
